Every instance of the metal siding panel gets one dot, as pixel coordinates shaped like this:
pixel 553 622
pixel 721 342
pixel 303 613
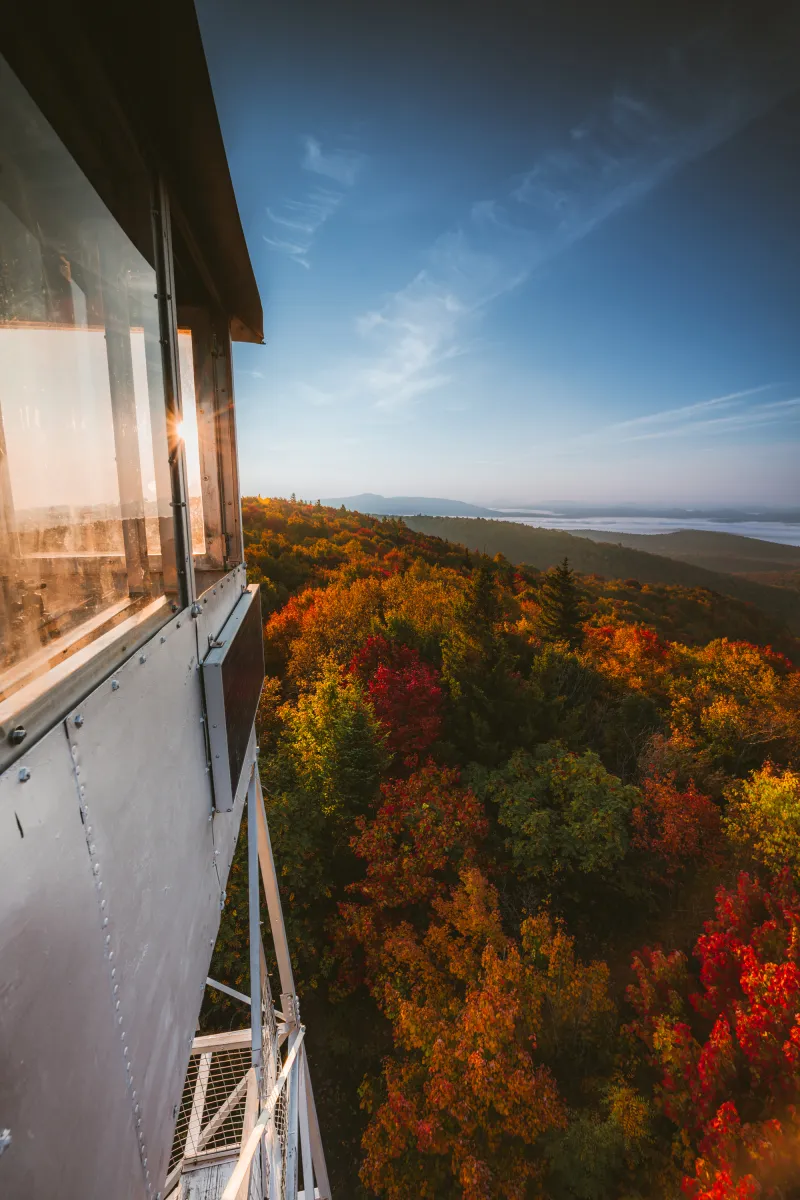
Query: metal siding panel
pixel 63 1090
pixel 217 603
pixel 141 754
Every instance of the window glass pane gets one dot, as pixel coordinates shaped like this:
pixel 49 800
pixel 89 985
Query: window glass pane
pixel 191 440
pixel 86 531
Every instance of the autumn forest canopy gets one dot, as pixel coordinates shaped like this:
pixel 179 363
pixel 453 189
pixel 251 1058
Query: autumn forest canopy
pixel 538 839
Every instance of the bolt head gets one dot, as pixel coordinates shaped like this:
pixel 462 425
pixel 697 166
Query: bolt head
pixel 78 720
pixel 115 685
pixel 24 774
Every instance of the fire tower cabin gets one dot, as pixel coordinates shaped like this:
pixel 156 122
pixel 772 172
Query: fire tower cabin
pixel 131 658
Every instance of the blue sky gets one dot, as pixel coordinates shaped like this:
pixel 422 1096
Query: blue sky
pixel 515 260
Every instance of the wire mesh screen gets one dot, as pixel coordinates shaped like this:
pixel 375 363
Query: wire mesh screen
pixel 270 1052
pixel 211 1113
pixel 281 1137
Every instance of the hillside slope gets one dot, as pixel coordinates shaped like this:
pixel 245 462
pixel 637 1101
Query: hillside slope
pixel 543 548
pixel 726 552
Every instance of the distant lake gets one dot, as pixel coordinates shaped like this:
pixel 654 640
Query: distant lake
pixel 766 531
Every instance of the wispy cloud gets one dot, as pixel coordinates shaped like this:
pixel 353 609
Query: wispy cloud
pixel 739 411
pixel 342 165
pixel 617 155
pixel 296 223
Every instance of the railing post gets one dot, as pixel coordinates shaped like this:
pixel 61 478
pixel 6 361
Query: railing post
pixel 317 1151
pixel 292 1091
pixel 305 1138
pixel 253 803
pixel 251 1106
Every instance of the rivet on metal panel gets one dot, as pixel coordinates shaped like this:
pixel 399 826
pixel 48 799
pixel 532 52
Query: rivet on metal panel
pixel 18 735
pixel 115 685
pixel 142 659
pixel 163 640
pixel 78 720
pixel 24 775
pixel 177 624
pixel 5 1139
pixel 196 609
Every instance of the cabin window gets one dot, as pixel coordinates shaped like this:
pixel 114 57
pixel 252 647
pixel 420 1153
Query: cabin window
pixel 86 525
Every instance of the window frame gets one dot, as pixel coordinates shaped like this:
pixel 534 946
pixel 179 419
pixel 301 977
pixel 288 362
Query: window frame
pixel 36 707
pixel 216 430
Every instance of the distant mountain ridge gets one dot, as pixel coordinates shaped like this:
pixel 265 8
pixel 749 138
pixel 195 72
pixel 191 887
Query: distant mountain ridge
pixel 410 506
pixel 376 505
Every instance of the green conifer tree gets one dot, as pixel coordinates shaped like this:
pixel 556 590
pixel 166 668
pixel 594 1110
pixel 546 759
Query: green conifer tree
pixel 562 611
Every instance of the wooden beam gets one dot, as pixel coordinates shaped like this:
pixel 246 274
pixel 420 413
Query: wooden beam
pixel 198 1105
pixel 238 1039
pixel 270 880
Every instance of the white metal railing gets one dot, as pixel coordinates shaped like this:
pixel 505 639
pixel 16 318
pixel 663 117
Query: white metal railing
pixel 211 1116
pixel 248 1094
pixel 272 1149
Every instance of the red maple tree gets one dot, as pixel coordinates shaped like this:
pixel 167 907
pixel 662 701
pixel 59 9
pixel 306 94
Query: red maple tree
pixel 728 1053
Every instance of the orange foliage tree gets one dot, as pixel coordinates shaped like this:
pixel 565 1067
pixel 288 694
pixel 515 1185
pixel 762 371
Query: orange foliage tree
pixel 674 826
pixel 468 1094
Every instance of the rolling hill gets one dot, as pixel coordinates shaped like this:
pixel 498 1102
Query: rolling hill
pixel 726 552
pixel 543 548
